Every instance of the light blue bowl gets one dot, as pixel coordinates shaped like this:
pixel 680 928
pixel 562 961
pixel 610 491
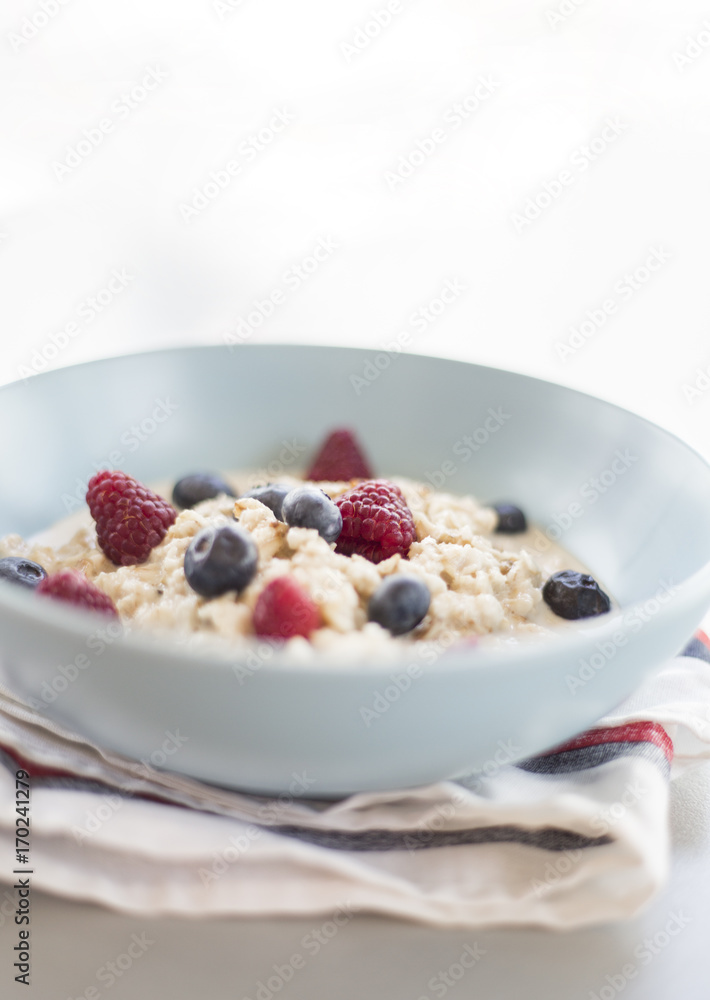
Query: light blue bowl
pixel 644 528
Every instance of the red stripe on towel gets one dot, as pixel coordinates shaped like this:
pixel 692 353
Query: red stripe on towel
pixel 632 732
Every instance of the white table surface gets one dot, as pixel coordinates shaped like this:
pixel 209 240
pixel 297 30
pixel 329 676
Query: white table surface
pixel 547 88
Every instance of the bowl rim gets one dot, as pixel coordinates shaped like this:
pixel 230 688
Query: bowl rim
pixel 77 624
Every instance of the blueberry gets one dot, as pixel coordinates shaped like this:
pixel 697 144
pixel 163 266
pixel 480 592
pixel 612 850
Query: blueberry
pixel 309 507
pixel 511 519
pixel 272 496
pixel 220 558
pixel 575 595
pixel 199 486
pixel 23 571
pixel 399 604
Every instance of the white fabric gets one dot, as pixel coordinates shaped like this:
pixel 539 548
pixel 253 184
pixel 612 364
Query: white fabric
pixel 156 858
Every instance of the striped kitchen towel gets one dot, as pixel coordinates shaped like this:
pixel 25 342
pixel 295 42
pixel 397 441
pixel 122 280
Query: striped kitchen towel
pixel 575 836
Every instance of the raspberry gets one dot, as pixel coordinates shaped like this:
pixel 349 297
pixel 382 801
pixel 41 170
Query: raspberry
pixel 130 519
pixel 74 588
pixel 340 457
pixel 377 523
pixel 283 610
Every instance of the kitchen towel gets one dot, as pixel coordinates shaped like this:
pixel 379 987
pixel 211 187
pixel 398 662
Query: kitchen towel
pixel 572 837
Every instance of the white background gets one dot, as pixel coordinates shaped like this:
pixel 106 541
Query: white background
pixel 558 72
